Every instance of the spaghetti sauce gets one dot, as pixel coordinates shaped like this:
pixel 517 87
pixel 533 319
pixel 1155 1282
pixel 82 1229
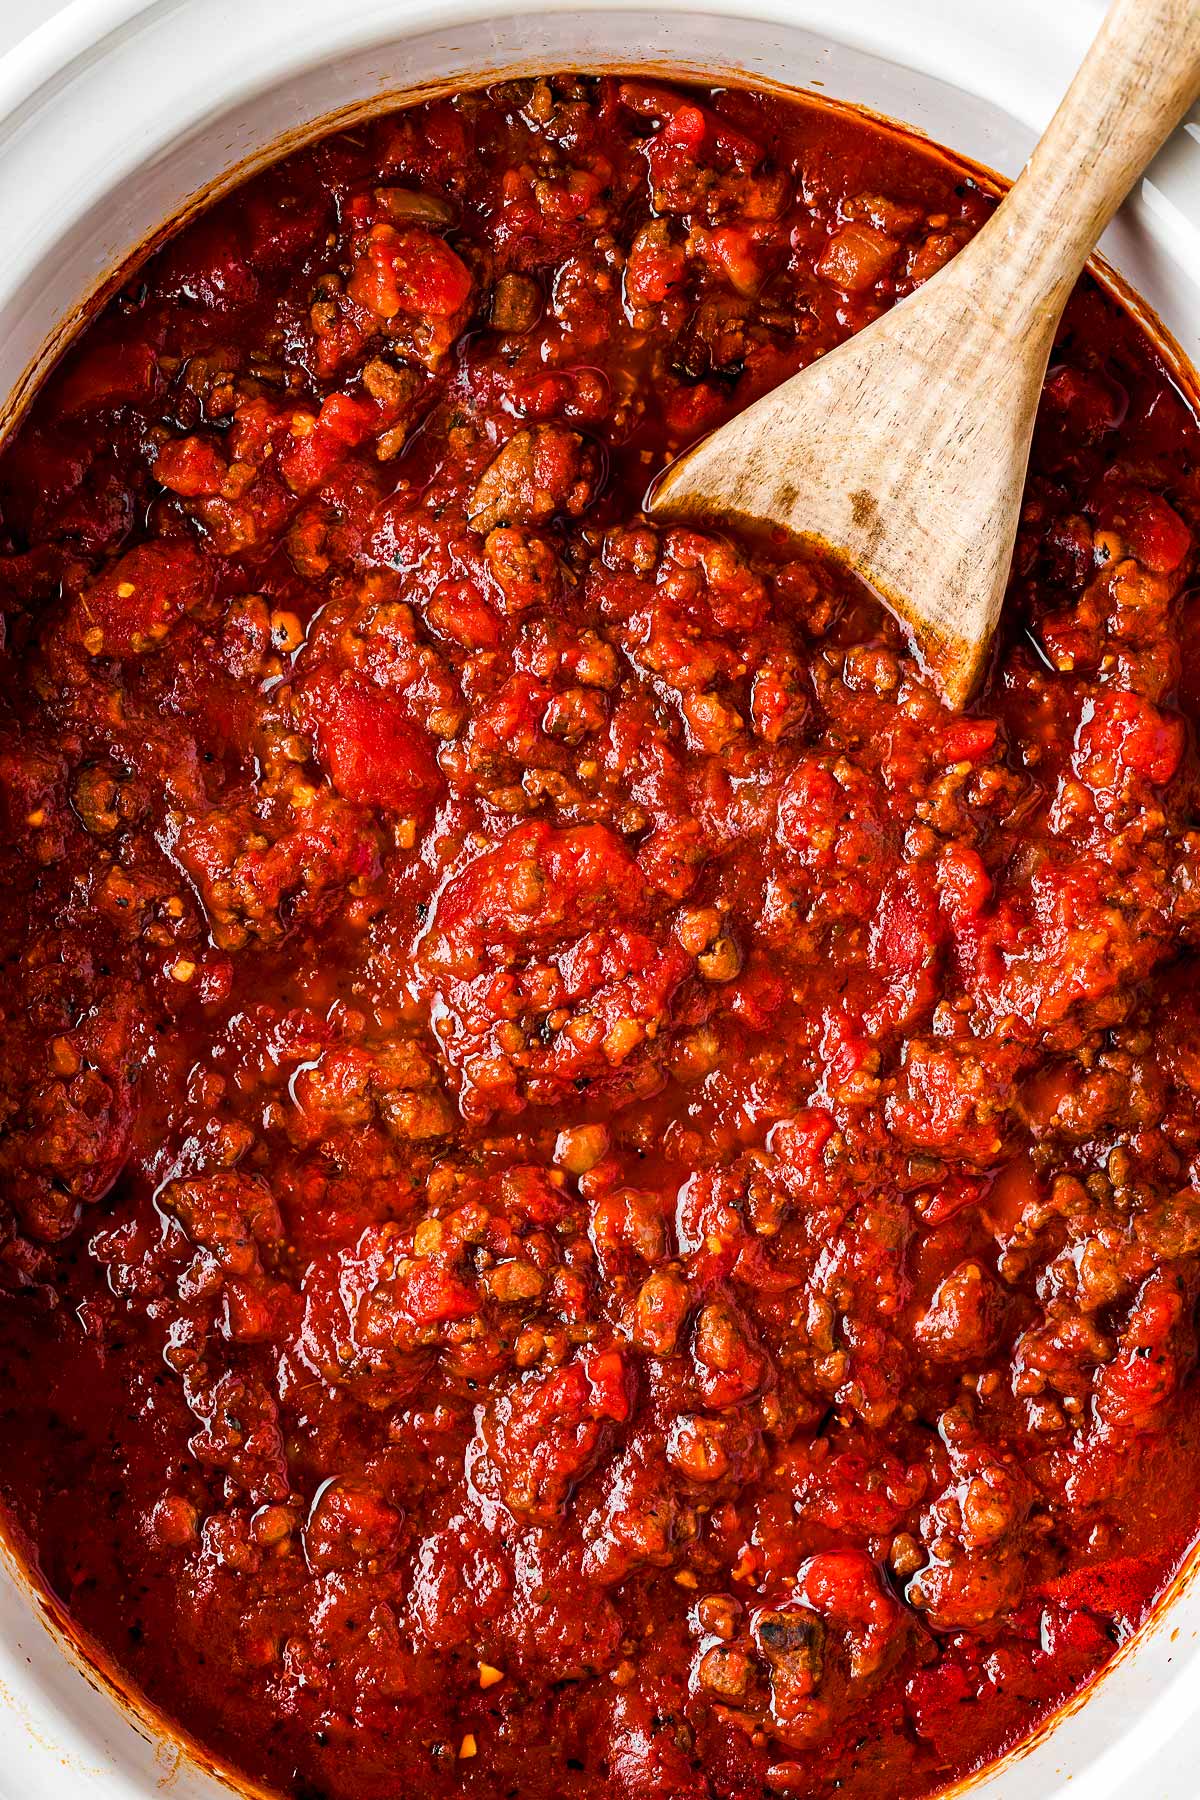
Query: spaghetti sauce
pixel 599 1197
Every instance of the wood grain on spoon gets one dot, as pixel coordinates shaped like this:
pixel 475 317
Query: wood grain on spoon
pixel 904 450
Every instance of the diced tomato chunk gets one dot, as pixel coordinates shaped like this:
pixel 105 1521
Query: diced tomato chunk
pixel 107 374
pixel 191 466
pixel 318 445
pixel 856 257
pixel 1121 731
pixel 349 1524
pixel 933 1697
pixel 970 740
pixel 375 753
pixel 409 271
pixel 1087 402
pixel 1150 526
pixel 608 1385
pixel 429 1293
pixel 906 931
pixel 457 609
pixel 131 607
pixel 736 252
pixel 963 880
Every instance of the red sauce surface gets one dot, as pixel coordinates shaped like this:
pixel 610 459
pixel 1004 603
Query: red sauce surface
pixel 599 1197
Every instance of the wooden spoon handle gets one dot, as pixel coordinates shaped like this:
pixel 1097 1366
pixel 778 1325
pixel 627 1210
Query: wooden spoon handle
pixel 1136 82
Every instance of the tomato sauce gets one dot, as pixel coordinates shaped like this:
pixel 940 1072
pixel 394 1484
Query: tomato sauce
pixel 599 1197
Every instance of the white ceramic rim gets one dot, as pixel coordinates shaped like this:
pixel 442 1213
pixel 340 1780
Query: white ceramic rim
pixel 54 1729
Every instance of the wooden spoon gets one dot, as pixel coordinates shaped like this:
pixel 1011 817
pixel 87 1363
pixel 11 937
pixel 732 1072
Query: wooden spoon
pixel 904 450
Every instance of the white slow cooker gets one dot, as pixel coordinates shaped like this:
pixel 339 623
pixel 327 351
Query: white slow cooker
pixel 116 115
